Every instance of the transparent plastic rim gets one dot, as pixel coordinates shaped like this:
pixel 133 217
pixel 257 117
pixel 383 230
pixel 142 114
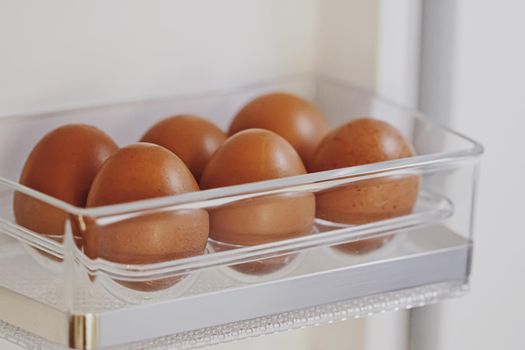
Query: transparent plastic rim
pixel 442 209
pixel 223 195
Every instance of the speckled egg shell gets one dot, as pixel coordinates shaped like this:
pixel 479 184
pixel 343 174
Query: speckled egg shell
pixel 360 142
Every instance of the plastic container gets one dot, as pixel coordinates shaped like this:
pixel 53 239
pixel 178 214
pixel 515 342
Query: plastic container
pixel 233 292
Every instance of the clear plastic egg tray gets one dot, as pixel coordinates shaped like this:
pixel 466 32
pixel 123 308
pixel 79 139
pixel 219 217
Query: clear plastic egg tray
pixel 71 301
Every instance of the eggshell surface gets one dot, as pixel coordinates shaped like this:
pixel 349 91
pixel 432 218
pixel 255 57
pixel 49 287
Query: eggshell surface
pixel 193 139
pixel 143 171
pixel 63 165
pixel 288 115
pixel 249 156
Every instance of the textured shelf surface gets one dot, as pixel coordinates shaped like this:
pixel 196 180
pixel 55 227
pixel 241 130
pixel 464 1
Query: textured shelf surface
pixel 421 266
pixel 361 307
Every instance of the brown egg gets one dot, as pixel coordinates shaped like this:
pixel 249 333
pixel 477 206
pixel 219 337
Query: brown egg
pixel 359 142
pixel 249 156
pixel 62 164
pixel 191 138
pixel 136 172
pixel 290 116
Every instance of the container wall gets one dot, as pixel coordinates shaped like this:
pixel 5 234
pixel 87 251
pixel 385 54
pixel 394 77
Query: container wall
pixel 380 228
pixel 428 194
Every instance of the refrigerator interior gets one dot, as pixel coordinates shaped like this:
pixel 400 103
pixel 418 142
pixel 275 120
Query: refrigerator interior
pixel 101 53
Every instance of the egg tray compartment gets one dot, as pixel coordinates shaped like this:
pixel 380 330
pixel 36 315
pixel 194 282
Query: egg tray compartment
pixel 68 309
pixel 430 208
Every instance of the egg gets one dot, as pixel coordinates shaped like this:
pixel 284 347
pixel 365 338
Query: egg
pixel 63 165
pixel 256 155
pixel 136 172
pixel 288 115
pixel 193 139
pixel 365 141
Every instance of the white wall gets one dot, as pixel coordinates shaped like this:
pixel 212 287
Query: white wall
pixel 61 53
pixel 348 40
pixel 481 77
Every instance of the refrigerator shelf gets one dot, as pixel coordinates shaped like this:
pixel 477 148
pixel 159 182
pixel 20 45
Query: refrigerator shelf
pixel 329 313
pixel 73 301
